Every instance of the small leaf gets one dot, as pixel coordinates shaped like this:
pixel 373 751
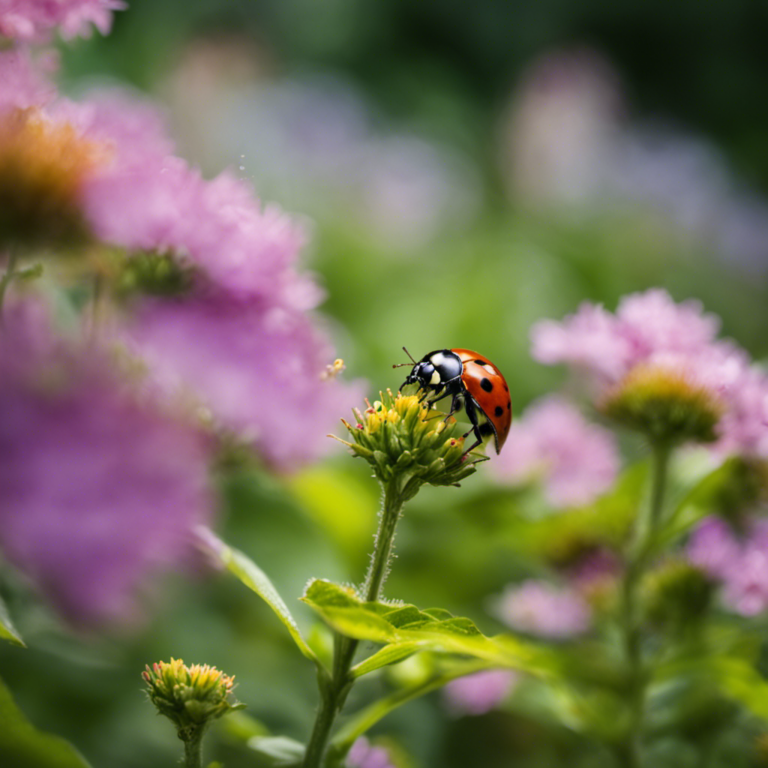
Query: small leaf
pixel 389 654
pixel 21 744
pixel 278 750
pixel 7 630
pixel 254 578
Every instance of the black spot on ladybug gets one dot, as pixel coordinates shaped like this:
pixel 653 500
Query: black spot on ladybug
pixel 498 410
pixel 486 385
pixel 480 362
pixel 509 405
pixel 506 388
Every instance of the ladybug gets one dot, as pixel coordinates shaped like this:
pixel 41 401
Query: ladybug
pixel 473 382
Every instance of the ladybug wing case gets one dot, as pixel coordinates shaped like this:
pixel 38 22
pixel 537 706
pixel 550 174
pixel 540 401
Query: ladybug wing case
pixel 488 388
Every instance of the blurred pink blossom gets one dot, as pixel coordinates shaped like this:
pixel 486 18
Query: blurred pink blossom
pixel 38 20
pixel 650 329
pixel 23 77
pixel 364 755
pixel 99 486
pixel 575 460
pixel 480 692
pixel 255 366
pixel 540 608
pixel 740 563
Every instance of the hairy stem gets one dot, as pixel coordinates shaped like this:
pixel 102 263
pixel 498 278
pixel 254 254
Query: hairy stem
pixel 629 752
pixel 7 277
pixel 193 748
pixel 335 693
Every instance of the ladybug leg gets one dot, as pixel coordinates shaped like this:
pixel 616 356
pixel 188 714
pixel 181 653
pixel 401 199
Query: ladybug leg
pixel 472 416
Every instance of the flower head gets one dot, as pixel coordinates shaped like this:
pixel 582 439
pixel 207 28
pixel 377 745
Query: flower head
pixel 658 367
pixel 43 169
pixel 480 692
pixel 678 594
pixel 403 438
pixel 576 460
pixel 189 696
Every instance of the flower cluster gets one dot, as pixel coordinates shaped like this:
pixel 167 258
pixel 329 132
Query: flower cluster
pixel 189 696
pixel 365 755
pixel 404 439
pixel 198 327
pixel 658 367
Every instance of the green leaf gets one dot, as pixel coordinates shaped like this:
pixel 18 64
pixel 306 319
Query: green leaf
pixel 7 630
pixel 255 579
pixel 278 750
pixel 404 629
pixel 21 744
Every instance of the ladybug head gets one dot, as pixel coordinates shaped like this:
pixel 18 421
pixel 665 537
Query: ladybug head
pixel 435 369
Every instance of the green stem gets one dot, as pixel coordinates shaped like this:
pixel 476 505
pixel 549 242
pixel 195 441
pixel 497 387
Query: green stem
pixel 193 748
pixel 7 277
pixel 334 694
pixel 629 752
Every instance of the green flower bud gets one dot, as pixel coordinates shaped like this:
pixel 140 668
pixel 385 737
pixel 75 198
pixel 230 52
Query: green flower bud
pixel 678 595
pixel 665 405
pixel 404 439
pixel 154 274
pixel 190 697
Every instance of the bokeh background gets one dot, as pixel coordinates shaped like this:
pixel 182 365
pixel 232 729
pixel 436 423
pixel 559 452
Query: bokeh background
pixel 466 169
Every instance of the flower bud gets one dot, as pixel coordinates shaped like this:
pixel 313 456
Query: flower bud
pixel 190 697
pixel 678 595
pixel 404 439
pixel 664 404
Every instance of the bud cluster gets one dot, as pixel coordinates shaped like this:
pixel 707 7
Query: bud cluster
pixel 401 437
pixel 189 696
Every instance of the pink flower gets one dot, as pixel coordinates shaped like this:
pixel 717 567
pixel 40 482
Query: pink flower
pixel 576 460
pixel 651 331
pixel 740 564
pixel 480 692
pixel 364 755
pixel 24 84
pixel 540 608
pixel 37 20
pixel 99 487
pixel 256 367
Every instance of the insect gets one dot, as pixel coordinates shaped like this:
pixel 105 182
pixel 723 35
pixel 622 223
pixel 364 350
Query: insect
pixel 473 382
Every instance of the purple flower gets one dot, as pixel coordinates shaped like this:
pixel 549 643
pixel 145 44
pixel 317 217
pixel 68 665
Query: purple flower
pixel 480 692
pixel 650 332
pixel 540 608
pixel 99 487
pixel 255 366
pixel 739 563
pixel 364 755
pixel 576 460
pixel 24 84
pixel 36 20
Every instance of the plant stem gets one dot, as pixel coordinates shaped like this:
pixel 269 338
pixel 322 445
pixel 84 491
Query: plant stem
pixel 334 694
pixel 7 277
pixel 193 749
pixel 629 751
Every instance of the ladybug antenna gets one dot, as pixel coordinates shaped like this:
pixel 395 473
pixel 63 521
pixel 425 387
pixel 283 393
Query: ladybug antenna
pixel 400 365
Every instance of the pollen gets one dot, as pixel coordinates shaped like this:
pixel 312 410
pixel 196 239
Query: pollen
pixel 43 166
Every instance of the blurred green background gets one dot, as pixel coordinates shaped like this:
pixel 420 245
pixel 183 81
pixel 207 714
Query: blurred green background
pixel 464 169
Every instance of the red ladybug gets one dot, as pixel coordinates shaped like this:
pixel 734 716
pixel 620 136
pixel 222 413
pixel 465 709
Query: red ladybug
pixel 473 382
